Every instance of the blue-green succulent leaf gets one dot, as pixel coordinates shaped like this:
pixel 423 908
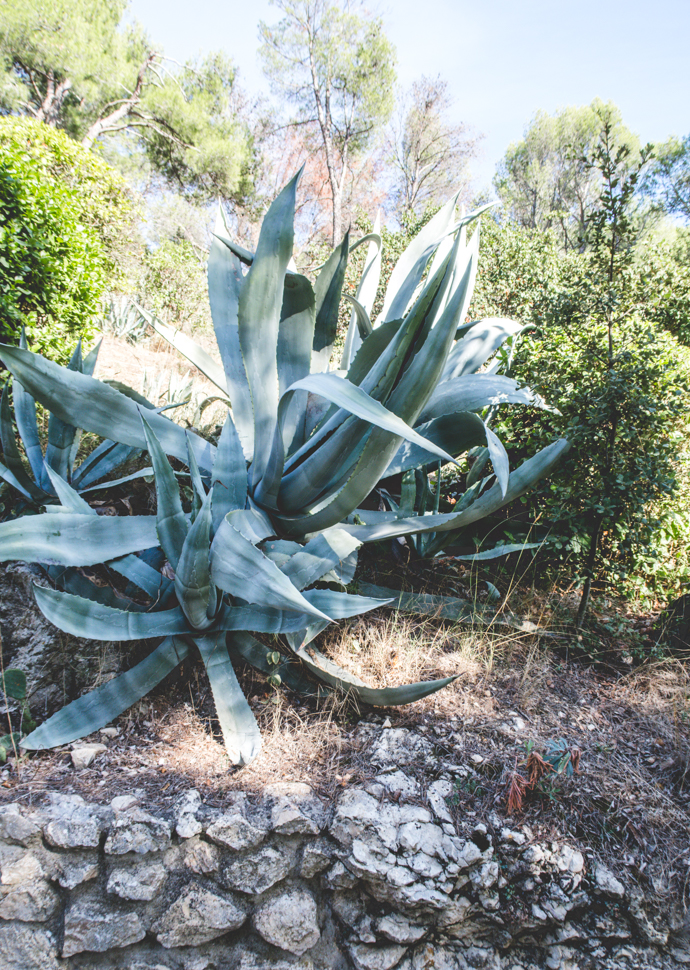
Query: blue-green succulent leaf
pixel 238 724
pixel 171 521
pixel 84 618
pixel 74 539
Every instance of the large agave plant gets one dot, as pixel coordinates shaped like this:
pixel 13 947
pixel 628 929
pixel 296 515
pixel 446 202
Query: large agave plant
pixel 227 580
pixel 303 448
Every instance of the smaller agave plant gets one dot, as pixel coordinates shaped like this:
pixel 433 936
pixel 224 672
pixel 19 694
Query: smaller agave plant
pixel 221 573
pixel 37 489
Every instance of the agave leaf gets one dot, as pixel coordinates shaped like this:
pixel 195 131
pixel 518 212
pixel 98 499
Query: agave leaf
pixel 11 454
pixel 441 607
pixel 96 709
pixel 295 340
pixel 245 256
pixel 520 480
pixel 455 433
pixel 84 618
pixel 97 407
pixel 242 570
pixel 260 303
pixel 142 473
pixel 238 724
pixel 474 392
pixel 327 290
pixel 25 416
pixel 74 539
pixel 371 349
pixel 224 285
pixel 89 362
pixel 361 317
pixel 410 267
pixel 189 349
pixel 142 575
pixel 267 619
pixel 171 522
pixel 318 557
pixel 105 458
pixel 63 436
pixel 335 676
pixel 355 400
pixel 481 342
pixel 229 474
pixel 72 580
pixel 366 290
pixel 252 523
pixel 498 551
pixel 499 459
pixel 280 550
pixel 7 475
pixel 131 394
pixel 69 498
pixel 243 646
pixel 198 490
pixel 195 591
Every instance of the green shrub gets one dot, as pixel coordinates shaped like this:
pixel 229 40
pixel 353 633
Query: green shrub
pixel 66 226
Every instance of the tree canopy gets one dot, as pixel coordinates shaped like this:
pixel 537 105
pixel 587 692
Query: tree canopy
pixel 337 68
pixel 669 179
pixel 545 182
pixel 75 65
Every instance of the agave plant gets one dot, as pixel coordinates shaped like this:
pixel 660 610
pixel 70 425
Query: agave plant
pixel 35 484
pixel 319 441
pixel 227 580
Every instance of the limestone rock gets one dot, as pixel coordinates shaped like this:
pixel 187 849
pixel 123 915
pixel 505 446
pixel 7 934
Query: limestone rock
pixel 255 872
pixel 25 893
pixel 316 856
pixel 400 747
pixel 338 877
pixel 366 957
pixel 201 857
pixel 15 827
pixel 295 810
pixel 91 925
pixel 289 921
pixel 607 883
pixel 398 929
pixel 187 825
pixel 137 831
pixel 196 917
pixel 76 868
pixel 437 793
pixel 27 948
pixel 246 958
pixel 234 831
pixel 122 802
pixel 86 754
pixel 141 882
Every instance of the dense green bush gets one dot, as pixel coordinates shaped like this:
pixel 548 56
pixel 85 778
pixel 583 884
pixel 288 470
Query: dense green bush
pixel 66 225
pixel 526 276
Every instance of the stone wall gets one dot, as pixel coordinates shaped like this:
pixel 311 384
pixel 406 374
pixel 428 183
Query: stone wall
pixel 382 878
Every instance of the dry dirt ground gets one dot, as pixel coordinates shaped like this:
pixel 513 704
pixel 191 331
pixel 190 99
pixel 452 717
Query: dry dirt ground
pixel 627 734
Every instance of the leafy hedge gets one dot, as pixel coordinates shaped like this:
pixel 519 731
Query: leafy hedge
pixel 67 223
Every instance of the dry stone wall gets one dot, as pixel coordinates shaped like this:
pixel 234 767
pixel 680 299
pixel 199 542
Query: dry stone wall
pixel 381 879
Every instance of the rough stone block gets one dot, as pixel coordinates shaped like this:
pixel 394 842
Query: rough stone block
pixel 289 921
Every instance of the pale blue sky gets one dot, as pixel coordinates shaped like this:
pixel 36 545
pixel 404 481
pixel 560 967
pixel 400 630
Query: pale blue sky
pixel 503 59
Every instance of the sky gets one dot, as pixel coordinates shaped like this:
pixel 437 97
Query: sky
pixel 503 59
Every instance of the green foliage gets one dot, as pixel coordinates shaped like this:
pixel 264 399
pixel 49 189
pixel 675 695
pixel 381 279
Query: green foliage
pixel 65 220
pixel 14 687
pixel 604 357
